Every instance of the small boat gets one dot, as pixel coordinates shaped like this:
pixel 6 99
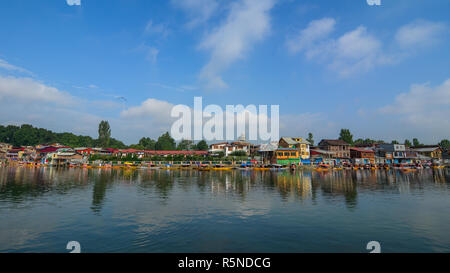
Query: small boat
pixel 323 168
pixel 277 167
pixel 261 168
pixel 220 167
pixel 203 168
pixel 246 166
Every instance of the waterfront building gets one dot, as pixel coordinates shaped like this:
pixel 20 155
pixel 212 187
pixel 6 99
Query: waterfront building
pixel 340 150
pixel 15 154
pixel 218 147
pixel 175 153
pixel 302 145
pixel 229 148
pixel 132 152
pixel 287 156
pixel 362 156
pixel 43 151
pixel 267 152
pixel 434 152
pixel 394 153
pixel 4 147
pixel 64 157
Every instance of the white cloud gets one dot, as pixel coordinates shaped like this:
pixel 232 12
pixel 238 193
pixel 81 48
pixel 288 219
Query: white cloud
pixel 358 50
pixel 420 33
pixel 7 66
pixel 354 51
pixel 247 23
pixel 26 101
pixel 73 2
pixel 160 29
pixel 27 89
pixel 149 108
pixel 426 109
pixel 198 11
pixel 316 30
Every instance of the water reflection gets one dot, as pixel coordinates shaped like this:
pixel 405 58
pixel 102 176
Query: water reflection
pixel 187 210
pixel 20 184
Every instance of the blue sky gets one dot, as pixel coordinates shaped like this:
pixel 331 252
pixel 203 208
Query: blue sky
pixel 381 71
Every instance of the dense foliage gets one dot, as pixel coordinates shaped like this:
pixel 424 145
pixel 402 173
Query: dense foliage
pixel 346 136
pixel 27 135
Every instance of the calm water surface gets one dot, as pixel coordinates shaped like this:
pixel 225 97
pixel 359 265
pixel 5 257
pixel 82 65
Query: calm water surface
pixel 42 209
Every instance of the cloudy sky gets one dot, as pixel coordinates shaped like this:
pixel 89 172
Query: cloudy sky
pixel 381 71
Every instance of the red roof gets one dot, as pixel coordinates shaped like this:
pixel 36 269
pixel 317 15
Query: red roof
pixel 50 149
pixel 16 150
pixel 361 150
pixel 177 152
pixel 130 151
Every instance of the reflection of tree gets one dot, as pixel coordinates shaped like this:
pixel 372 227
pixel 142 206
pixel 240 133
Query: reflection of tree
pixel 161 181
pixel 19 184
pixel 335 184
pixel 99 191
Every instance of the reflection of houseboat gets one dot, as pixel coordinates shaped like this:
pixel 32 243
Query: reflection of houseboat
pixel 185 166
pixel 262 168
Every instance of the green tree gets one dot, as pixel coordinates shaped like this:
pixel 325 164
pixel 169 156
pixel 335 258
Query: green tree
pixel 445 143
pixel 310 139
pixel 147 143
pixel 202 146
pixel 185 145
pixel 238 153
pixel 395 142
pixel 165 143
pixel 416 142
pixel 407 143
pixel 346 136
pixel 104 133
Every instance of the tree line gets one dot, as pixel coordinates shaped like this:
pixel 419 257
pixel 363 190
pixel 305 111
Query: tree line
pixel 347 136
pixel 27 135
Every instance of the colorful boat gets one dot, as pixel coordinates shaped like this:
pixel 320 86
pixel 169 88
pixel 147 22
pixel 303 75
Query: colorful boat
pixel 220 167
pixel 261 168
pixel 323 168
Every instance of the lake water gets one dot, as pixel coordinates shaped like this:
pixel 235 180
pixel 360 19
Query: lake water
pixel 42 209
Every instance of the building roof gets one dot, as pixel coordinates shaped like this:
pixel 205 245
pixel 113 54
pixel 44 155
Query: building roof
pixel 333 142
pixel 286 149
pixel 268 147
pixel 425 148
pixel 319 151
pixel 130 151
pixel 177 152
pixel 49 149
pixel 292 141
pixel 361 150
